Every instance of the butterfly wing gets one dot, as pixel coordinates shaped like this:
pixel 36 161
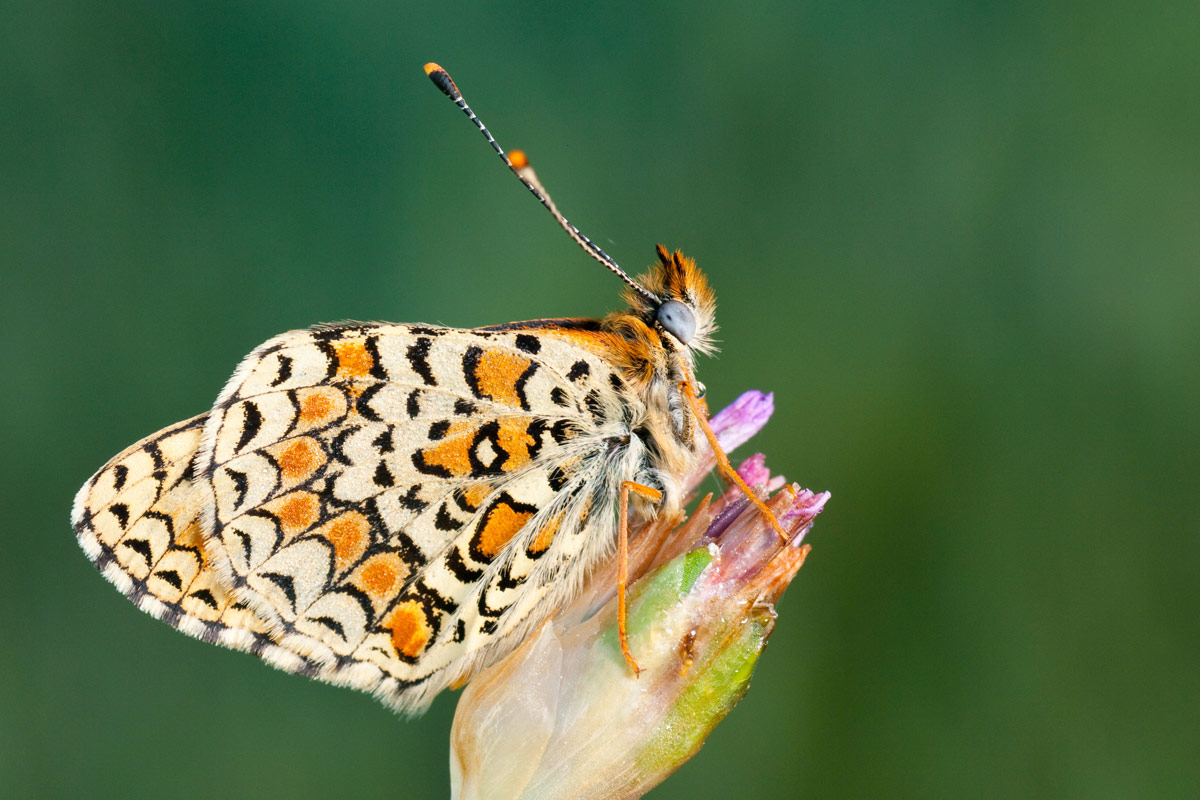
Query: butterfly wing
pixel 399 503
pixel 139 519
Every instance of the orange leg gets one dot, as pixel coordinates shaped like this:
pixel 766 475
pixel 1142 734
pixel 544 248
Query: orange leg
pixel 723 464
pixel 654 496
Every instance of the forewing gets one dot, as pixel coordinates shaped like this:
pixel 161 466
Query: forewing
pixel 396 500
pixel 140 520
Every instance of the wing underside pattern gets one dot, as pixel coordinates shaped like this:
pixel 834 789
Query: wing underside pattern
pixel 388 507
pixel 139 520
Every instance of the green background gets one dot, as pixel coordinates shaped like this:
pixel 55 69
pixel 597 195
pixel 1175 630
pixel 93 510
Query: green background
pixel 958 241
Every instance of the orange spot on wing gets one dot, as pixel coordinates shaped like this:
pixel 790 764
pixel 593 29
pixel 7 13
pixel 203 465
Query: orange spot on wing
pixel 381 576
pixel 297 511
pixel 497 374
pixel 300 459
pixel 541 543
pixel 476 494
pixel 503 522
pixel 452 453
pixel 315 407
pixel 513 437
pixel 410 629
pixel 349 535
pixel 353 359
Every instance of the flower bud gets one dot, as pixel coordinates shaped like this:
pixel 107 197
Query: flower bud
pixel 565 717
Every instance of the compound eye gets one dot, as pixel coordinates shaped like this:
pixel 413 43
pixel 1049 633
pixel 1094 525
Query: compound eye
pixel 677 319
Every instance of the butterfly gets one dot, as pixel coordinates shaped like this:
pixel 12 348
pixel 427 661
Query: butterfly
pixel 394 507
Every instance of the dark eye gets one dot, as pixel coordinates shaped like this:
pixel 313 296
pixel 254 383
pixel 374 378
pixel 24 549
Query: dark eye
pixel 677 320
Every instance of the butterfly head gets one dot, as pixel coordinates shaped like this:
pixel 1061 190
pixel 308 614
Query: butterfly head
pixel 685 310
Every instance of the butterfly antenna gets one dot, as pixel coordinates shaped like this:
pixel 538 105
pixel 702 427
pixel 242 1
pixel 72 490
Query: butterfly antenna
pixel 519 164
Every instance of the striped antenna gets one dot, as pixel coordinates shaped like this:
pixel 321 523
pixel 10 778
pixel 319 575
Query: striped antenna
pixel 519 164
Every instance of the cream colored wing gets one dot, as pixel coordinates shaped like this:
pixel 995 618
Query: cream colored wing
pixel 139 520
pixel 399 503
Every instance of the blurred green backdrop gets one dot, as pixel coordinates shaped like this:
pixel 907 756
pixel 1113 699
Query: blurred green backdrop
pixel 959 241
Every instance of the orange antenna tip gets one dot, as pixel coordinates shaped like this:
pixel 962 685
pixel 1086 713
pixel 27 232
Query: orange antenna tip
pixel 518 159
pixel 442 80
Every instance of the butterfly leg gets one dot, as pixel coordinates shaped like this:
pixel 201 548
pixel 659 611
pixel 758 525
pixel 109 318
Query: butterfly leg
pixel 689 394
pixel 654 496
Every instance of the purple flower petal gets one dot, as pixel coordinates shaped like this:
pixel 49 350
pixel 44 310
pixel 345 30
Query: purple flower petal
pixel 741 419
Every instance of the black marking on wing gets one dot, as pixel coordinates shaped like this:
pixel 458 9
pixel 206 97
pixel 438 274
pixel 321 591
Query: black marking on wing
pixel 165 519
pixel 414 408
pixel 139 546
pixel 530 344
pixel 206 597
pixel 251 424
pixel 285 370
pixel 558 478
pixel 489 431
pixel 444 522
pixel 240 485
pixel 363 404
pixel 384 441
pixel 285 583
pixel 470 364
pixel 559 397
pixel 418 359
pixel 595 406
pixel 378 371
pixel 338 444
pixel 456 564
pixel 432 599
pixel 410 500
pixel 332 624
pixel 331 359
pixel 438 430
pixel 152 449
pixel 520 384
pixel 579 370
pixel 121 512
pixel 436 470
pixel 262 513
pixel 120 473
pixel 536 430
pixel 506 579
pixel 245 539
pixel 486 610
pixel 562 430
pixel 360 597
pixel 171 577
pixel 464 408
pixel 383 476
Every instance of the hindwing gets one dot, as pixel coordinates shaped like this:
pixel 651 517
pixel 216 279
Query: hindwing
pixel 140 521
